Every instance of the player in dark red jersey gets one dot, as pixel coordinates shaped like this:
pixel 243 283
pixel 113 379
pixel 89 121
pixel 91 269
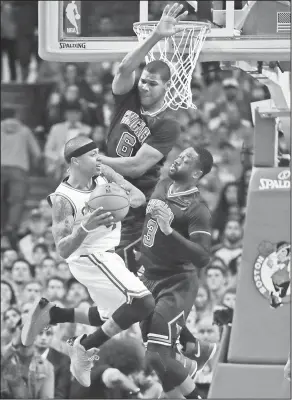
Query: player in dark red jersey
pixel 143 130
pixel 176 242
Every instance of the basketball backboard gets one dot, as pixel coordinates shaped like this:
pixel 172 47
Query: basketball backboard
pixel 103 30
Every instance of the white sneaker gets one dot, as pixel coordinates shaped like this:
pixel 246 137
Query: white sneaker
pixel 81 360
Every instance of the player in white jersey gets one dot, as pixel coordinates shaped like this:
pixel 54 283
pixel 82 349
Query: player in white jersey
pixel 87 241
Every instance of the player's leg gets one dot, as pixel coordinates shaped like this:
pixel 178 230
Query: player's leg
pixel 110 286
pixel 138 305
pixel 174 298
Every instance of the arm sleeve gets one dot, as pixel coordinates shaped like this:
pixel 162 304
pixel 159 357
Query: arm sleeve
pixel 123 98
pixel 199 220
pixel 163 136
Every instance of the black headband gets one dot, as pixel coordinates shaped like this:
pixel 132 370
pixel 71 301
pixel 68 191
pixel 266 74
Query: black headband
pixel 81 150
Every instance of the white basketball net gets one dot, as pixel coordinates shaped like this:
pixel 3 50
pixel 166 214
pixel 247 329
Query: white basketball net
pixel 181 52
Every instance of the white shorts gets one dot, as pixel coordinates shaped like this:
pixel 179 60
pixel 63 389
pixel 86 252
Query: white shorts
pixel 109 282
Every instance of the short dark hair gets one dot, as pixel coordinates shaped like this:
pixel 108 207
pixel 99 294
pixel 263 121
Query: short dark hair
pixel 55 278
pixel 50 259
pixel 159 67
pixel 42 246
pixel 205 160
pixel 125 354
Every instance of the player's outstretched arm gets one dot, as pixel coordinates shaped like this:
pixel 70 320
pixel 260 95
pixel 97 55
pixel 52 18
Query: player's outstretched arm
pixel 66 240
pixel 125 77
pixel 136 197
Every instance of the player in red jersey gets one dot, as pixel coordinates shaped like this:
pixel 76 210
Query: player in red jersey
pixel 143 130
pixel 176 242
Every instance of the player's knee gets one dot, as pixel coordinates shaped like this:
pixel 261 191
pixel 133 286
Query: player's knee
pixel 145 305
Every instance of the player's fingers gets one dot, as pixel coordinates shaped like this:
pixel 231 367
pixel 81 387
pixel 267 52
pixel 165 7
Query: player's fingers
pixel 172 11
pixel 166 9
pixel 177 10
pixel 180 17
pixel 97 211
pixel 104 216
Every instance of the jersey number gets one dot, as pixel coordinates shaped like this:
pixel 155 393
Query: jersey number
pixel 149 238
pixel 126 145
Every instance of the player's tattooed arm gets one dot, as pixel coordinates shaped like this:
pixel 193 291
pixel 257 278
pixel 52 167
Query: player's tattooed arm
pixel 66 241
pixel 136 197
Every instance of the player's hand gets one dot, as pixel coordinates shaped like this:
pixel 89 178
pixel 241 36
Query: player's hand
pixel 163 219
pixel 98 218
pixel 167 25
pixel 287 370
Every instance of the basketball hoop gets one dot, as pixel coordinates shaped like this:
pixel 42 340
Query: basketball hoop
pixel 181 52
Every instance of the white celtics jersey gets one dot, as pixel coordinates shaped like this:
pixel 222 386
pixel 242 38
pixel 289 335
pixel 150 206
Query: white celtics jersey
pixel 100 240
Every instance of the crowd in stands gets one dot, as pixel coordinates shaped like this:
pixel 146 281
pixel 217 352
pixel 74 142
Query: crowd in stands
pixel 81 102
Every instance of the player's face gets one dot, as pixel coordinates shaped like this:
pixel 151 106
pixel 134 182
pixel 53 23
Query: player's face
pixel 151 89
pixel 184 166
pixel 233 231
pixel 89 163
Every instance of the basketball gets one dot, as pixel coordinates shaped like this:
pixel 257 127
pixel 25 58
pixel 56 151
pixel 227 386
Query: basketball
pixel 77 16
pixel 112 198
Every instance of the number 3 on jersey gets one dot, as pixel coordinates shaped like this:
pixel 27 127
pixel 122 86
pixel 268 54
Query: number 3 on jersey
pixel 149 238
pixel 126 145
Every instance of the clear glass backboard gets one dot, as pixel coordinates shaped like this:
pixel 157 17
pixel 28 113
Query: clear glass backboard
pixel 97 30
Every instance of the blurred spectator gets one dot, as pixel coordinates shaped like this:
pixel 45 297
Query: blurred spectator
pixel 119 370
pixel 26 374
pixel 216 279
pixel 229 297
pixel 58 104
pixel 8 298
pixel 229 201
pixel 98 135
pixel 55 288
pixel 233 268
pixel 26 13
pixel 46 211
pixel 59 134
pixel 192 320
pixel 76 293
pixel 231 246
pixel 230 164
pixel 32 290
pixel 11 318
pixel 243 185
pixel 8 36
pixel 203 302
pixel 60 362
pixel 46 269
pixel 37 225
pixel 20 274
pixel 39 252
pixel 207 332
pixel 18 148
pixel 9 256
pixel 63 271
